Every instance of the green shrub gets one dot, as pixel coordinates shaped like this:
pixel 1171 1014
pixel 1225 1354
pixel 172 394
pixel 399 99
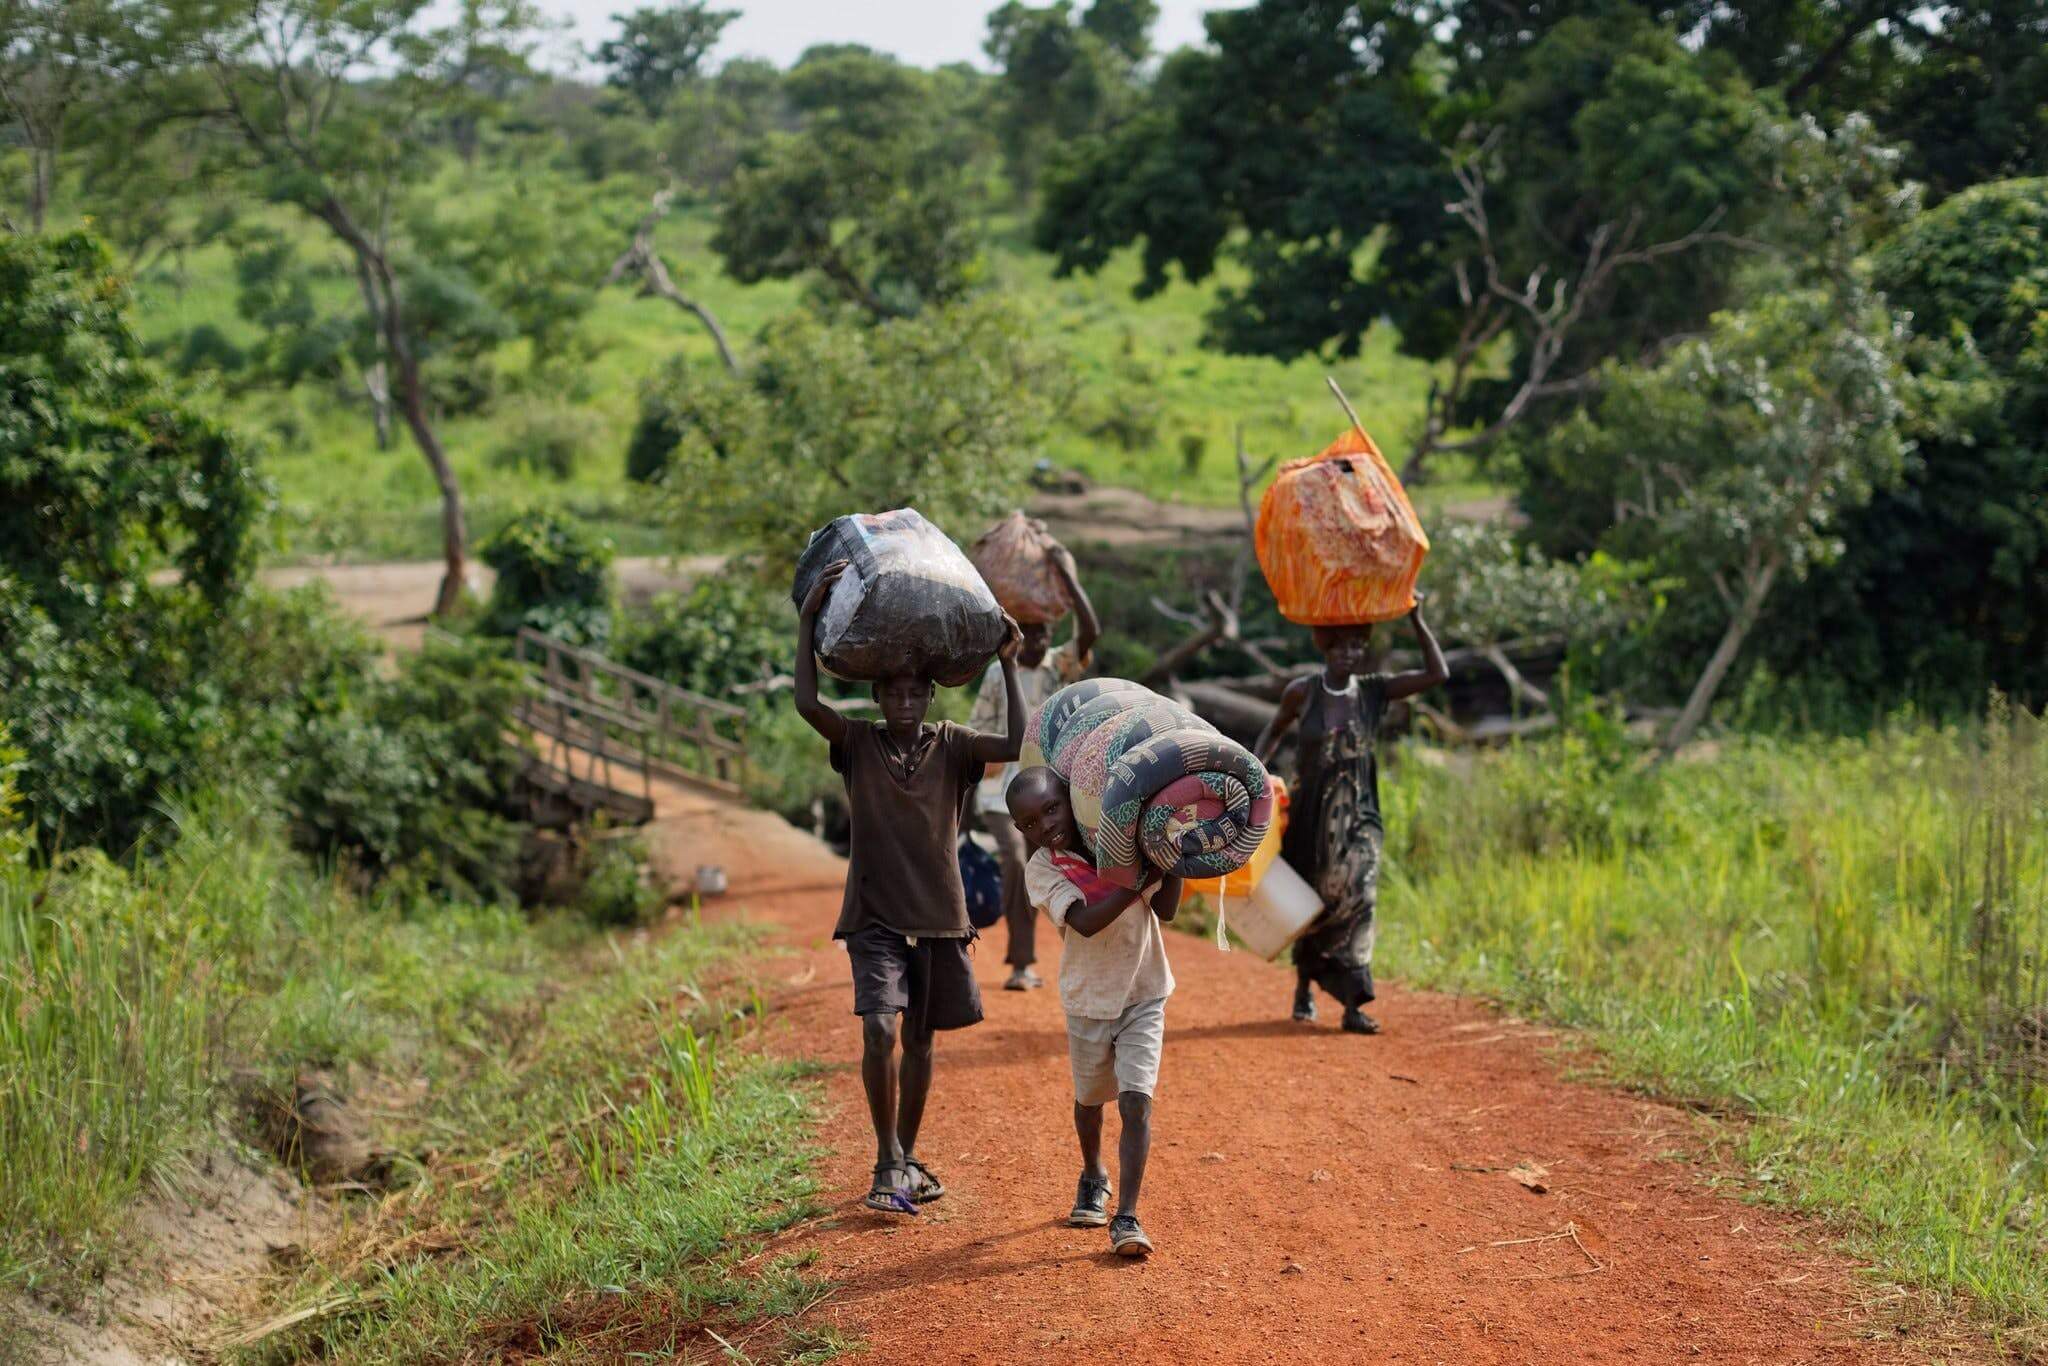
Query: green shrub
pixel 548 438
pixel 413 774
pixel 1194 449
pixel 614 893
pixel 554 576
pixel 656 434
pixel 206 347
pixel 728 630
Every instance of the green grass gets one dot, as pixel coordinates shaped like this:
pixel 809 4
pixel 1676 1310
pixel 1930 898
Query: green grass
pixel 343 498
pixel 593 1156
pixel 1844 941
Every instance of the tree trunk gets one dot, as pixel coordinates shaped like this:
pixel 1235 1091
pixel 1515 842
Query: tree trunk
pixel 377 384
pixel 41 177
pixel 1723 659
pixel 412 398
pixel 377 375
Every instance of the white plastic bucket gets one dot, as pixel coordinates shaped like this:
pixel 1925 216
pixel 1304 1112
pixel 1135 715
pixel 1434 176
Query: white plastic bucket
pixel 1278 912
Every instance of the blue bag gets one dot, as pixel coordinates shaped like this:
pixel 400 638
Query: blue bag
pixel 982 877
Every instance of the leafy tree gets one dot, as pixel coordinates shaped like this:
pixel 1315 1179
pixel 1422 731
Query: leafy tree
pixel 710 124
pixel 660 51
pixel 555 576
pixel 1062 78
pixel 1602 182
pixel 55 55
pixel 941 411
pixel 107 471
pixel 106 474
pixel 284 82
pixel 1746 449
pixel 1943 578
pixel 867 200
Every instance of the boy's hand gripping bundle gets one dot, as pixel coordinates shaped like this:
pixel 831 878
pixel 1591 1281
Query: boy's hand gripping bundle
pixel 909 603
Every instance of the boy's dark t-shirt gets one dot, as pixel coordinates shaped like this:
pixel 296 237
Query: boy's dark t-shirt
pixel 903 865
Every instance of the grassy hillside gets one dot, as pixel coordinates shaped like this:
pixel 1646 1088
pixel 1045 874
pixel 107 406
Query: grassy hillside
pixel 1153 409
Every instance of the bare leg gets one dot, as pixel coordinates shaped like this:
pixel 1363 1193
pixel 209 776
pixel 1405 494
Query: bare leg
pixel 916 1086
pixel 1019 914
pixel 878 1076
pixel 1134 1108
pixel 1304 996
pixel 1088 1127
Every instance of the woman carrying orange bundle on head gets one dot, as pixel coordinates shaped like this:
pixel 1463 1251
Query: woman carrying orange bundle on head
pixel 1340 544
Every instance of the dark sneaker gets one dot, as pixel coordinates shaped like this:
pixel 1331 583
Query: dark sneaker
pixel 1126 1239
pixel 1091 1203
pixel 1357 1021
pixel 1023 979
pixel 1304 1003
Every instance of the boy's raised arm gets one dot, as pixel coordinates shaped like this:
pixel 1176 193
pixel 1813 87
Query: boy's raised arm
pixel 1087 626
pixel 1004 749
pixel 823 719
pixel 1434 673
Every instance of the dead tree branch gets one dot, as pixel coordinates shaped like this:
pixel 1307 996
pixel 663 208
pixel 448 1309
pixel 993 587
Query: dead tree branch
pixel 1221 626
pixel 1542 308
pixel 642 260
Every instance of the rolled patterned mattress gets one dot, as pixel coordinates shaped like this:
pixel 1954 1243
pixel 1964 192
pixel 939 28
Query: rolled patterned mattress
pixel 1151 783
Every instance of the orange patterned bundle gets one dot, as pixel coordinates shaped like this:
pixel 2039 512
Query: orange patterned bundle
pixel 1338 539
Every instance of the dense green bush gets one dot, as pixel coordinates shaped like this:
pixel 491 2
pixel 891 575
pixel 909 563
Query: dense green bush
pixel 115 683
pixel 728 630
pixel 1942 580
pixel 548 438
pixel 655 437
pixel 614 894
pixel 412 773
pixel 555 576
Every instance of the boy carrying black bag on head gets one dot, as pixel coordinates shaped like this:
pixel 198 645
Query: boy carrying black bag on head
pixel 904 917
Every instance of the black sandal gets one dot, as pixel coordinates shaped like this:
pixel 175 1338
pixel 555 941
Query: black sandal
pixel 924 1187
pixel 885 1195
pixel 1357 1021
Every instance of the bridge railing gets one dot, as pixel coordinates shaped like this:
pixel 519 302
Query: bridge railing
pixel 620 714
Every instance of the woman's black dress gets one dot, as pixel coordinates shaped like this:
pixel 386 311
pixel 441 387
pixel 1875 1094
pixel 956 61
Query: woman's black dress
pixel 1334 833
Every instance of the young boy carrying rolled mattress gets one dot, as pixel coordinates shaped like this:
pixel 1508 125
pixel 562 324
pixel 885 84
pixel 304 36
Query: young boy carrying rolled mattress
pixel 1114 981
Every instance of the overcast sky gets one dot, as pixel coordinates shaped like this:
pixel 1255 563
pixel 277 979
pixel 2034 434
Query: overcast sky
pixel 923 32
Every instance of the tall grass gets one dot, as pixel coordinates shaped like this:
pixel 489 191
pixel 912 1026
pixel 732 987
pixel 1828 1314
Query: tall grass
pixel 110 1028
pixel 582 1126
pixel 1842 938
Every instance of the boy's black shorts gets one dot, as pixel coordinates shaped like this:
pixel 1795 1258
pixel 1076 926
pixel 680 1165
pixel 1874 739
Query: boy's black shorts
pixel 930 983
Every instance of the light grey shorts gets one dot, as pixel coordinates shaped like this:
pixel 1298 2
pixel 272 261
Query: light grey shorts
pixel 1117 1055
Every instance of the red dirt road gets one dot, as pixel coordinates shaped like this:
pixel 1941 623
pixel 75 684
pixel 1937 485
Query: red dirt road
pixel 1315 1197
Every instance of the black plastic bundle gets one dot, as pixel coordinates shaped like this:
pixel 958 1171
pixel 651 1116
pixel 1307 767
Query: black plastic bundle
pixel 910 604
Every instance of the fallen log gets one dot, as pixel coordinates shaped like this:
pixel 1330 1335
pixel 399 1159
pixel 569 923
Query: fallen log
pixel 1243 718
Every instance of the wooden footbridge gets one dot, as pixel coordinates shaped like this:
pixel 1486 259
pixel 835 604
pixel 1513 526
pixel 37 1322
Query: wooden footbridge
pixel 604 733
